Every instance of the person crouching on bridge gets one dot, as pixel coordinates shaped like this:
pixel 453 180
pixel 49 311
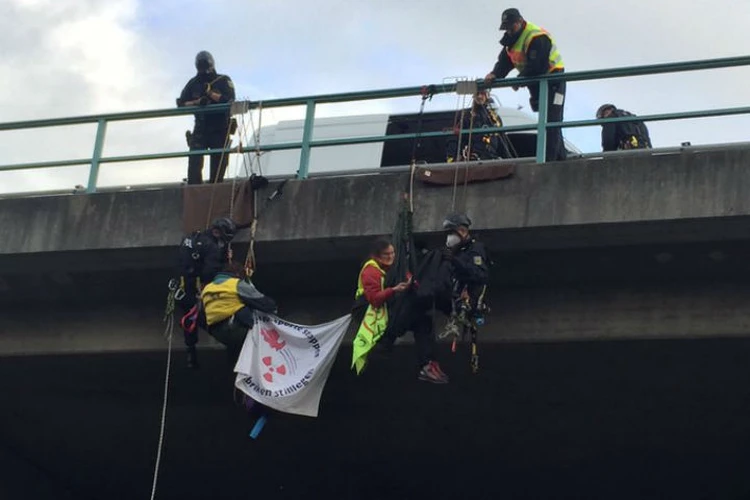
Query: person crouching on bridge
pixel 229 301
pixel 376 299
pixel 618 136
pixel 482 146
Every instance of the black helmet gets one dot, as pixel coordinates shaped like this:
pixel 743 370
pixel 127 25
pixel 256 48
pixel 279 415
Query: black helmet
pixel 226 227
pixel 453 221
pixel 602 109
pixel 204 61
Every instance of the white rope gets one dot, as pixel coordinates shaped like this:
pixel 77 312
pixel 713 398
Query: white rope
pixel 168 332
pixel 462 102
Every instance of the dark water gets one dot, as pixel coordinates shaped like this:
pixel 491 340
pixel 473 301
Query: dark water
pixel 657 419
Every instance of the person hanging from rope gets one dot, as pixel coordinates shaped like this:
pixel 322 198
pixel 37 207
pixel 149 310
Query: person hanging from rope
pixel 374 299
pixel 229 301
pixel 483 146
pixel 469 274
pixel 212 130
pixel 201 256
pixel 532 51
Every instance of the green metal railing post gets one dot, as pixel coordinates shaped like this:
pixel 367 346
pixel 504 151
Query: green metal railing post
pixel 304 155
pixel 541 128
pixel 101 131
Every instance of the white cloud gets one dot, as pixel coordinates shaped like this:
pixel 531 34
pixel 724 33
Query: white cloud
pixel 73 57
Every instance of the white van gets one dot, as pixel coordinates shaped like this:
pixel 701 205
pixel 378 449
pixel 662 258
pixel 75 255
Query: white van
pixel 392 153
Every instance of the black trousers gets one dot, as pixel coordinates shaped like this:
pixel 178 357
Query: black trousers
pixel 556 107
pixel 419 322
pixel 555 150
pixel 205 138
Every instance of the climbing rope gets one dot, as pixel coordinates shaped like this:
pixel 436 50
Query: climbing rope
pixel 458 127
pixel 168 334
pixel 467 157
pixel 427 92
pixel 227 138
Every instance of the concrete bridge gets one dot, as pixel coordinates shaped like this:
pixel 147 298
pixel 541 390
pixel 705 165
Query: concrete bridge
pixel 642 245
pixel 646 251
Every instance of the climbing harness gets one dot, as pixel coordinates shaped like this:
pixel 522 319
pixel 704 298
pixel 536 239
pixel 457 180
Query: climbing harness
pixel 465 320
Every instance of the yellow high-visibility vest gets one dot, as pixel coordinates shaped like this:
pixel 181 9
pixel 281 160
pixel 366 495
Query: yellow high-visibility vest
pixel 517 52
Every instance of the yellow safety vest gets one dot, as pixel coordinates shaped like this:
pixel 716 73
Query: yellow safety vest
pixel 517 52
pixel 373 325
pixel 220 300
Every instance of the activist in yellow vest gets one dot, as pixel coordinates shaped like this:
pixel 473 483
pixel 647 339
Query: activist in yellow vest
pixel 517 52
pixel 373 325
pixel 220 299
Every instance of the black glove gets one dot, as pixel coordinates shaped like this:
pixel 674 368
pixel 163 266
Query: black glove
pixel 447 254
pixel 203 101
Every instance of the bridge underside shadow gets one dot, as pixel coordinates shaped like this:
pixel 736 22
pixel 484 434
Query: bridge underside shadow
pixel 656 419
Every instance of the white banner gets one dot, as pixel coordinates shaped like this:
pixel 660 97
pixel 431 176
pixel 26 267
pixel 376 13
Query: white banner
pixel 285 366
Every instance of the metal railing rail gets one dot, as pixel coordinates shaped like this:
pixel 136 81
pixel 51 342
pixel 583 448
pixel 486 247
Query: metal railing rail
pixel 310 103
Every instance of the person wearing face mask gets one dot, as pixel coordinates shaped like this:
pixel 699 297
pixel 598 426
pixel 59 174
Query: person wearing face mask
pixel 469 271
pixel 373 295
pixel 211 130
pixel 532 51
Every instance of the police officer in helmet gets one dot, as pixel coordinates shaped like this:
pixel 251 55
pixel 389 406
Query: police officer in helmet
pixel 469 267
pixel 212 129
pixel 202 255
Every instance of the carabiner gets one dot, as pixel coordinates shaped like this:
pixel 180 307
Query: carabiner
pixel 179 294
pixel 172 285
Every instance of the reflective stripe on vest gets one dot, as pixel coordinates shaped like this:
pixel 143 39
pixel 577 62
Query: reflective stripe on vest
pixel 220 300
pixel 517 52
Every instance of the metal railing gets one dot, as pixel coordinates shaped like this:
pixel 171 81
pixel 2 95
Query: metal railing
pixel 310 103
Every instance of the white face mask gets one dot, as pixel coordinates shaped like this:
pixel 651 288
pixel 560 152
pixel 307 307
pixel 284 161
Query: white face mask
pixel 452 240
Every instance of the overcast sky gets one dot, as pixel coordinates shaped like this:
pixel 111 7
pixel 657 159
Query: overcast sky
pixel 75 57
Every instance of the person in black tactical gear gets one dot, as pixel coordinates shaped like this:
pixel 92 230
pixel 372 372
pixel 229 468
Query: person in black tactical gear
pixel 469 272
pixel 630 135
pixel 483 146
pixel 531 50
pixel 212 129
pixel 202 255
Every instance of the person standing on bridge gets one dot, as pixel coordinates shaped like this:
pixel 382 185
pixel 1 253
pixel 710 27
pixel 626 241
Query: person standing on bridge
pixel 532 51
pixel 212 130
pixel 619 136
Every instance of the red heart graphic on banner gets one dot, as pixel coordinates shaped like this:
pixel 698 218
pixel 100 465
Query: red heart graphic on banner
pixel 268 377
pixel 281 369
pixel 267 361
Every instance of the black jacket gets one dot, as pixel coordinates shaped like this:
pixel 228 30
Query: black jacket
pixel 620 135
pixel 470 264
pixel 198 87
pixel 483 146
pixel 202 256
